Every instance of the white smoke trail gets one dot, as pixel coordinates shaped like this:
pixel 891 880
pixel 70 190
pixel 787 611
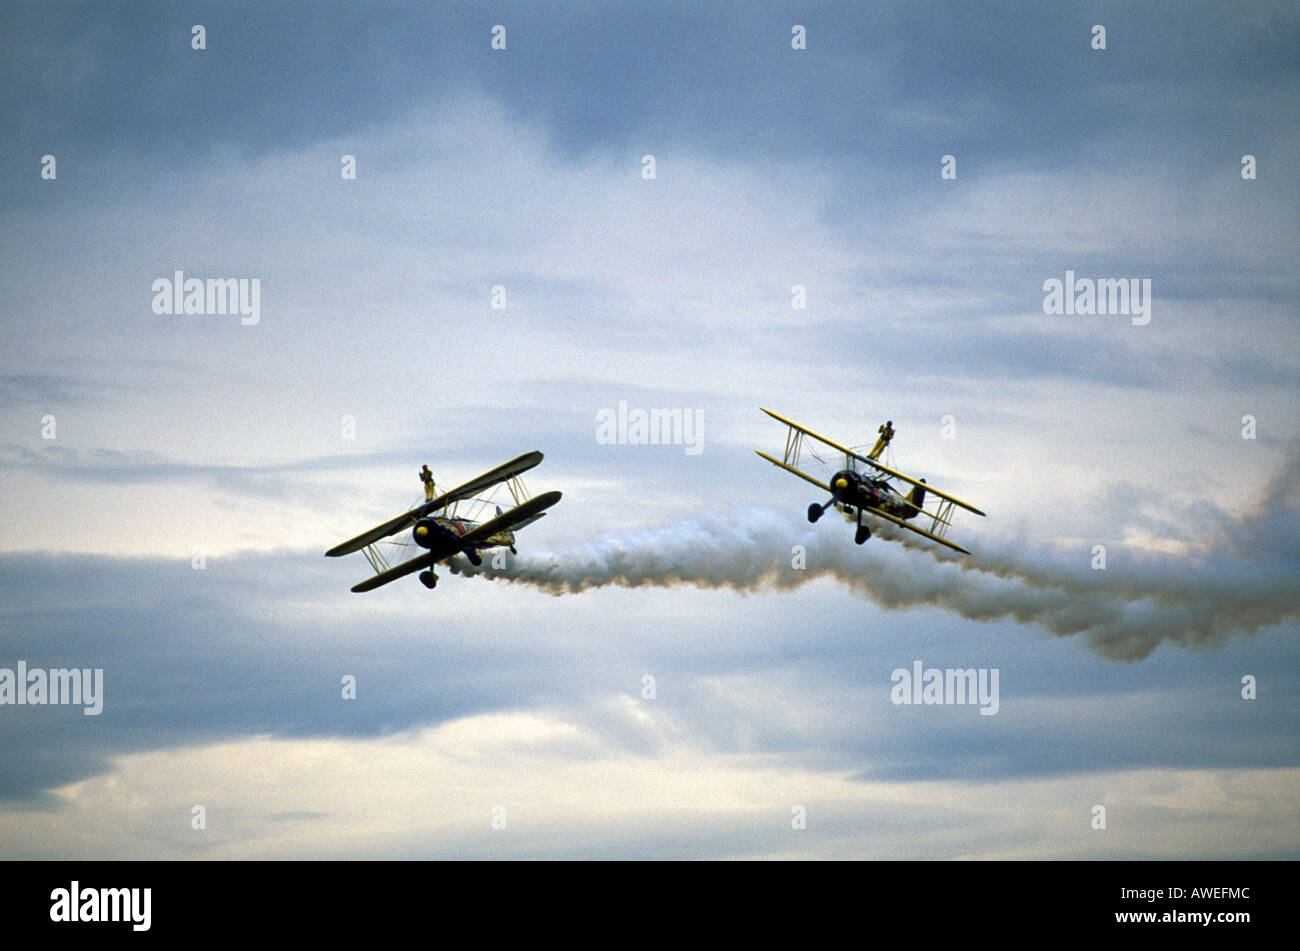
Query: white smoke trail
pixel 1244 577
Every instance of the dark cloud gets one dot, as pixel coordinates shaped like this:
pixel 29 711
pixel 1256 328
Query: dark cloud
pixel 257 645
pixel 884 83
pixel 199 655
pixel 49 392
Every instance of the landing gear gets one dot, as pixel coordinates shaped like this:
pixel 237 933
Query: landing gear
pixel 816 511
pixel 429 579
pixel 863 532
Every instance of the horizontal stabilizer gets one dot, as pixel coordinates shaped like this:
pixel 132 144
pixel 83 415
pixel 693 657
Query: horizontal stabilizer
pixel 501 473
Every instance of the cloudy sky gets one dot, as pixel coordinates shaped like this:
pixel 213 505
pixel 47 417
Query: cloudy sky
pixel 652 676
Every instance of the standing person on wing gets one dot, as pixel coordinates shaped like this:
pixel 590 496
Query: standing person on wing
pixel 426 476
pixel 886 433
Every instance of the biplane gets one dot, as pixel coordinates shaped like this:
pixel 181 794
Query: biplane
pixel 862 487
pixel 436 527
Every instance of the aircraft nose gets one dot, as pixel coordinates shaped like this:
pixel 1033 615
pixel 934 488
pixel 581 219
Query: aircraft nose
pixel 841 483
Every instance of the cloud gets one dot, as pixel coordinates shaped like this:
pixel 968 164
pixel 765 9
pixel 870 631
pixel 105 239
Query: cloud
pixel 47 390
pixel 344 800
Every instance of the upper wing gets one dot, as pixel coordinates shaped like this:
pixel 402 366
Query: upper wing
pixel 849 453
pixel 808 432
pixel 500 474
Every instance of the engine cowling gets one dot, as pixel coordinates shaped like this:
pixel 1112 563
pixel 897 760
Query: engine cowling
pixel 845 483
pixel 426 532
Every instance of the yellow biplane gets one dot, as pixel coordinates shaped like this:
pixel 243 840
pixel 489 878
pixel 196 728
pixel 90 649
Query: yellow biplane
pixel 862 486
pixel 446 535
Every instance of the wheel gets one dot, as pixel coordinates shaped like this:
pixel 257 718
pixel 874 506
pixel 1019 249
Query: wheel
pixel 814 512
pixel 429 579
pixel 861 535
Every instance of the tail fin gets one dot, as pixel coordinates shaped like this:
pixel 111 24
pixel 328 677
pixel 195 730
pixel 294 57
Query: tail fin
pixel 917 498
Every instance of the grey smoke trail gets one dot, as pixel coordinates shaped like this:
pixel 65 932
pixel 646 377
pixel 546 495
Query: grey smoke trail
pixel 1244 576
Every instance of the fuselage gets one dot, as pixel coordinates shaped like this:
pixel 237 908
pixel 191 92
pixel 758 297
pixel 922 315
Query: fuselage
pixel 433 531
pixel 854 490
